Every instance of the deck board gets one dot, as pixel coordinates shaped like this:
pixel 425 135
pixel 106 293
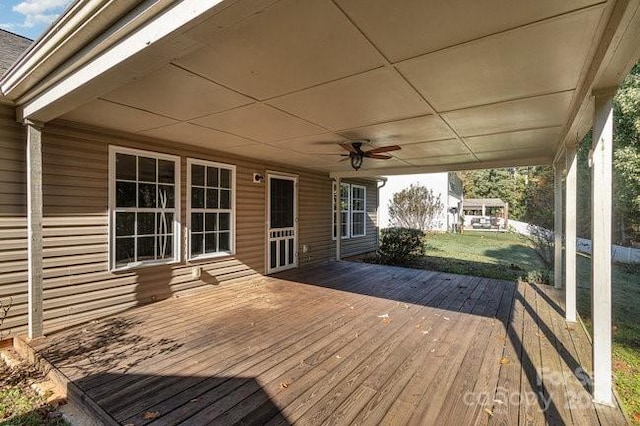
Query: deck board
pixel 343 343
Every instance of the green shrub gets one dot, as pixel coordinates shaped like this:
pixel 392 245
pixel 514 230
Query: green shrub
pixel 538 276
pixel 398 244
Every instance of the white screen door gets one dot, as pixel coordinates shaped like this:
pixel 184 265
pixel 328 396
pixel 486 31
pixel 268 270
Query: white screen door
pixel 282 223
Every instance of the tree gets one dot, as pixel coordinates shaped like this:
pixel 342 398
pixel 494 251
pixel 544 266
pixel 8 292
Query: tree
pixel 626 158
pixel 538 199
pixel 506 184
pixel 415 207
pixel 626 166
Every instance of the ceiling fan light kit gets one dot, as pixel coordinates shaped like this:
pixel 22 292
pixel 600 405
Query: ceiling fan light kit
pixel 357 155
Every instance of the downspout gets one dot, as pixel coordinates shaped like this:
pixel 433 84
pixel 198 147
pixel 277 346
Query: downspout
pixel 384 182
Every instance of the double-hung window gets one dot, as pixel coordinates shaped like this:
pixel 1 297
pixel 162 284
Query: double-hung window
pixel 358 210
pixel 352 210
pixel 344 209
pixel 210 208
pixel 144 212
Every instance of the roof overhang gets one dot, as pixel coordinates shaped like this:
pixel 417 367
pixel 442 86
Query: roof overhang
pixel 286 81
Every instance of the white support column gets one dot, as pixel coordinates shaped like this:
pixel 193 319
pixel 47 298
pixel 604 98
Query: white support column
pixel 570 234
pixel 601 186
pixel 338 213
pixel 557 225
pixel 34 226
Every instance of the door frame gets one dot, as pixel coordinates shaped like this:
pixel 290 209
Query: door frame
pixel 286 176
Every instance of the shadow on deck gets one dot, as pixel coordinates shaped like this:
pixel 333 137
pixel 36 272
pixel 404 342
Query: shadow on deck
pixel 340 343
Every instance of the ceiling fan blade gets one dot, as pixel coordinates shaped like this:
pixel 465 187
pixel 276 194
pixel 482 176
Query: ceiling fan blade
pixel 377 156
pixel 348 147
pixel 383 149
pixel 327 153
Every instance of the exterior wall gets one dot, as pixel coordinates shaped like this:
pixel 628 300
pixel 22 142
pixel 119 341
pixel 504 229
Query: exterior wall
pixel 13 222
pixel 369 242
pixel 78 285
pixel 437 182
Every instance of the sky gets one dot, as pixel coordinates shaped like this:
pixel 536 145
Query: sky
pixel 30 18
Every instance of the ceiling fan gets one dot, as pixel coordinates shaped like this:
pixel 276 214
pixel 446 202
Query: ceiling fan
pixel 356 155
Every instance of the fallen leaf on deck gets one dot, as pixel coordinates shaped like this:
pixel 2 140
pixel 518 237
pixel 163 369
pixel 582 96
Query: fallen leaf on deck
pixel 284 385
pixel 383 316
pixel 150 415
pixel 498 401
pixel 446 318
pixel 338 356
pixel 489 412
pixel 417 326
pixel 386 321
pixel 194 400
pixel 504 360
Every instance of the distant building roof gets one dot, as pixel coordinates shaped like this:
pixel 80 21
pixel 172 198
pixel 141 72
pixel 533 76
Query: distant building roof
pixel 479 202
pixel 11 47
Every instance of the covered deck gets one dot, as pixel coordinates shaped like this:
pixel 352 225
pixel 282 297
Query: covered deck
pixel 341 343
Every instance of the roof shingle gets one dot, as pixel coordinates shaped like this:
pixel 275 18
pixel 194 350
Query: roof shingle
pixel 11 47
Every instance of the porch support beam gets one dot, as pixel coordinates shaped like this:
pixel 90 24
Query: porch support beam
pixel 557 225
pixel 601 186
pixel 34 228
pixel 570 233
pixel 338 213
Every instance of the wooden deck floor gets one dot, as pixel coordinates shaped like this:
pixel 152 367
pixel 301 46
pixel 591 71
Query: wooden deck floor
pixel 345 343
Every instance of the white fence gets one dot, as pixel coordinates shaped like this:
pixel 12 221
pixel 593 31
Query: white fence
pixel 618 253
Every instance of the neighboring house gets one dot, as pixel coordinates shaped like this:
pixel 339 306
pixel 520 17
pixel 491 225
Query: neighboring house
pixel 447 186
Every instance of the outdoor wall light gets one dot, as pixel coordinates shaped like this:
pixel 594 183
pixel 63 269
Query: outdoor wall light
pixel 258 178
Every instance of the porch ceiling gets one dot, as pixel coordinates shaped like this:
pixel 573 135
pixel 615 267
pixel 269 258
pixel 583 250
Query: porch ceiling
pixel 454 83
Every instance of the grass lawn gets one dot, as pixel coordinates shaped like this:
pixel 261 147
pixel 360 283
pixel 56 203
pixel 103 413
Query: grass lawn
pixel 478 253
pixel 510 256
pixel 626 330
pixel 19 404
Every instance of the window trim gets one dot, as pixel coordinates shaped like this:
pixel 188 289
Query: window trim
pixel 111 208
pixel 333 211
pixel 232 236
pixel 363 211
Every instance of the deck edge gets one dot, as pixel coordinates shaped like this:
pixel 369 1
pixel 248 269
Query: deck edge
pixel 75 396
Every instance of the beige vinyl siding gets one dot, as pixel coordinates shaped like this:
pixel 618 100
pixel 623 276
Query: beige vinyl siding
pixel 315 205
pixel 78 286
pixel 77 283
pixel 369 242
pixel 13 222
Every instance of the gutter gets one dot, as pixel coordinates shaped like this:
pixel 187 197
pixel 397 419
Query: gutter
pixel 47 47
pixel 85 30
